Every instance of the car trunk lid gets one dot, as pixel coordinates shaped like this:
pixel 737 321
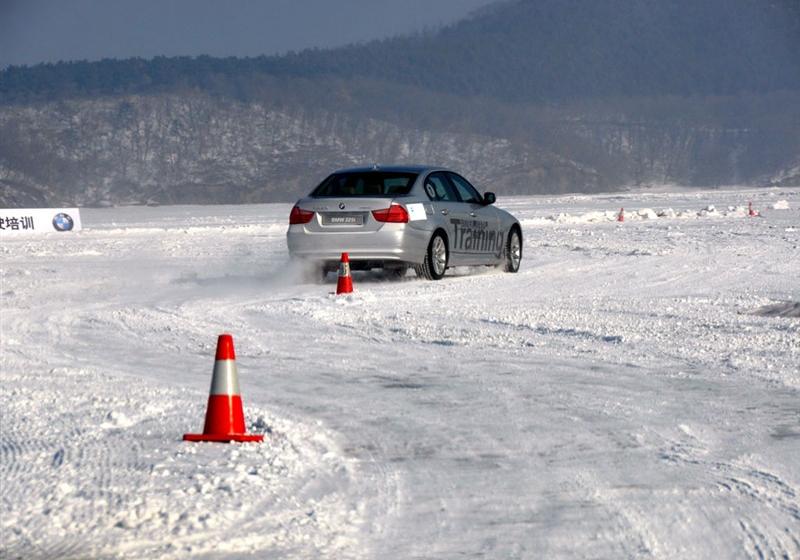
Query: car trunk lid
pixel 345 214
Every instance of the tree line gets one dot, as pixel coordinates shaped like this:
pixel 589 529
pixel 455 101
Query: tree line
pixel 524 51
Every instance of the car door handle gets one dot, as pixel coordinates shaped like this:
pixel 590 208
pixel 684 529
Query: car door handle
pixel 445 212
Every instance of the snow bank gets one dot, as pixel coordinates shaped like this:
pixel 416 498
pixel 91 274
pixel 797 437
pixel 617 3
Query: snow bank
pixel 640 214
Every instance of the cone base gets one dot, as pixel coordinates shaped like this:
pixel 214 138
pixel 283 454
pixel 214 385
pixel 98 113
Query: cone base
pixel 225 438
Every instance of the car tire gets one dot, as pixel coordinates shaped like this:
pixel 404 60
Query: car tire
pixel 513 257
pixel 436 257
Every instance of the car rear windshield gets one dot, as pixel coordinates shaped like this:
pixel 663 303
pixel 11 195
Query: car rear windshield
pixel 368 183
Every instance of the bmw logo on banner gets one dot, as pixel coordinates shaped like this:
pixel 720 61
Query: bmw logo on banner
pixel 63 222
pixel 33 221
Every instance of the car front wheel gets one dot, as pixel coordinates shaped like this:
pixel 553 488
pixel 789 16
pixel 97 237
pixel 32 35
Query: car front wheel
pixel 513 251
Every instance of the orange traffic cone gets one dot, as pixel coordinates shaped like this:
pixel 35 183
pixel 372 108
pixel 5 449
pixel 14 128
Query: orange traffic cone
pixel 345 283
pixel 621 215
pixel 224 415
pixel 750 212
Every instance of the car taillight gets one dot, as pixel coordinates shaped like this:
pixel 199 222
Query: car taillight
pixel 395 213
pixel 300 216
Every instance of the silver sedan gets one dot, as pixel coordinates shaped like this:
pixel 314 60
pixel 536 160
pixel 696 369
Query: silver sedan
pixel 428 218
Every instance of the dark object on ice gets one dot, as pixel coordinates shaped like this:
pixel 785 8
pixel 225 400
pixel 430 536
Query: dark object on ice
pixel 783 309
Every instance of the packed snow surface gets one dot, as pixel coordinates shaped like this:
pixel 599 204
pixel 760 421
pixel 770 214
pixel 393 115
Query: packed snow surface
pixel 624 395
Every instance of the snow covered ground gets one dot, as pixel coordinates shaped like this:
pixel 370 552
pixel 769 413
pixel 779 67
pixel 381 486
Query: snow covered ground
pixel 633 392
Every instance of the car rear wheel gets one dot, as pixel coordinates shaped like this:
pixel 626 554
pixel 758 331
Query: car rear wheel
pixel 513 251
pixel 435 263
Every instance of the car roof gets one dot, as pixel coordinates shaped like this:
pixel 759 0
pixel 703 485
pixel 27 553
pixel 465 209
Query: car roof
pixel 392 169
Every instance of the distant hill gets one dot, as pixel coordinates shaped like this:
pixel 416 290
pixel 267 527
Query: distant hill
pixel 520 51
pixel 528 95
pixel 529 50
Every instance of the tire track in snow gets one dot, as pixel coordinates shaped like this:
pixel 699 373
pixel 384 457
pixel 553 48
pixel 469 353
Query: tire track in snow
pixel 630 530
pixel 107 475
pixel 383 324
pixel 326 519
pixel 770 527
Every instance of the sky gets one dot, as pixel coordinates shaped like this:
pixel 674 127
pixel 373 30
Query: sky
pixel 34 31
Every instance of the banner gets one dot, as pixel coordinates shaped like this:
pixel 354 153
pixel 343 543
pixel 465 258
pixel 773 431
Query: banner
pixel 39 220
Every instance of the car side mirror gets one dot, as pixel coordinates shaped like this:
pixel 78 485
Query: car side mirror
pixel 489 198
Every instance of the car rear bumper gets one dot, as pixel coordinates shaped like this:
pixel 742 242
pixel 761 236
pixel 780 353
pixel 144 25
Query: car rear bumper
pixel 393 243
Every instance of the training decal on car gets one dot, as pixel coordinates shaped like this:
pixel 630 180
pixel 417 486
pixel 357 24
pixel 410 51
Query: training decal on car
pixel 474 236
